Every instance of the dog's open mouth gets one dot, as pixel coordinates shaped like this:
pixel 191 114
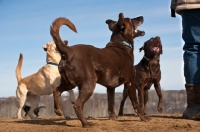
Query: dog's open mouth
pixel 139 33
pixel 156 49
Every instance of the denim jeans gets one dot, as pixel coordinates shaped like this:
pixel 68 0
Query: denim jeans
pixel 191 37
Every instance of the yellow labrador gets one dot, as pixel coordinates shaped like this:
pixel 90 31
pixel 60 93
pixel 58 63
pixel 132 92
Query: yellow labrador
pixel 43 82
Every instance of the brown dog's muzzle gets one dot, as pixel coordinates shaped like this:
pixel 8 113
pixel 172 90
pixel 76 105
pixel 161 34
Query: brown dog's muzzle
pixel 139 33
pixel 137 22
pixel 156 46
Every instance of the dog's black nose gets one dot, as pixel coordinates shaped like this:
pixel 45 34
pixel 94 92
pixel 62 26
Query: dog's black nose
pixel 157 37
pixel 45 49
pixel 141 19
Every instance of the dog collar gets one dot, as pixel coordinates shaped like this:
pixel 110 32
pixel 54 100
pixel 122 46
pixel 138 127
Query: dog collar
pixel 126 44
pixel 52 63
pixel 148 58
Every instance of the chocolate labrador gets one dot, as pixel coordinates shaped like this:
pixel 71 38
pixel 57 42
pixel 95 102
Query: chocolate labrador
pixel 85 65
pixel 147 73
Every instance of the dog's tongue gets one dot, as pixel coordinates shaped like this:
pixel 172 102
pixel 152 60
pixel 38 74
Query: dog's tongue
pixel 156 49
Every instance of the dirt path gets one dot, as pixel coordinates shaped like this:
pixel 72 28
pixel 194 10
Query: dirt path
pixel 158 123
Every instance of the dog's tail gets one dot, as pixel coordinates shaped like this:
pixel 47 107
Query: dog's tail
pixel 54 31
pixel 38 109
pixel 18 69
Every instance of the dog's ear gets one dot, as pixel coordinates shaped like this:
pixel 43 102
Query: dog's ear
pixel 137 21
pixel 142 48
pixel 111 24
pixel 161 51
pixel 120 21
pixel 66 42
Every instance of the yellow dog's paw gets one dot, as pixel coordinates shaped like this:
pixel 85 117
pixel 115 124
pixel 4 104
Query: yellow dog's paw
pixel 20 118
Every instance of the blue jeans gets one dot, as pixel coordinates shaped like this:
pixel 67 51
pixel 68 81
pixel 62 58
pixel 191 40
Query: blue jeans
pixel 191 37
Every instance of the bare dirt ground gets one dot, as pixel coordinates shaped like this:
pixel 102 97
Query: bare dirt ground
pixel 158 123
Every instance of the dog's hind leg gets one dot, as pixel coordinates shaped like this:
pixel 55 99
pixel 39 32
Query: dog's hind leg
pixel 72 97
pixel 56 96
pixel 58 91
pixel 111 103
pixel 26 109
pixel 21 95
pixel 121 108
pixel 141 96
pixel 34 100
pixel 146 97
pixel 85 92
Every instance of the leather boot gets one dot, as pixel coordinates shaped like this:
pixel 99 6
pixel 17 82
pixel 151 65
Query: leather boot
pixel 193 102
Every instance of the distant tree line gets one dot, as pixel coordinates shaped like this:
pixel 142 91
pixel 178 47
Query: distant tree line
pixel 174 103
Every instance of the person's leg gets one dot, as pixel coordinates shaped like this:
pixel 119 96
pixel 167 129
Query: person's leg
pixel 191 37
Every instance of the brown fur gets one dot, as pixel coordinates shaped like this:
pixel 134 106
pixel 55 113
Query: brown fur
pixel 86 65
pixel 147 73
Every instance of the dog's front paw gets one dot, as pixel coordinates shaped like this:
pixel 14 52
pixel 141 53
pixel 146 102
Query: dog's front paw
pixel 160 109
pixel 113 117
pixel 143 117
pixel 58 112
pixel 20 118
pixel 68 117
pixel 147 117
pixel 88 124
pixel 120 114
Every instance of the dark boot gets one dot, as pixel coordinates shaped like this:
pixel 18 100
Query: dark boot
pixel 193 102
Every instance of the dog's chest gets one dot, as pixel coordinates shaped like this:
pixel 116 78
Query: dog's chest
pixel 52 77
pixel 147 75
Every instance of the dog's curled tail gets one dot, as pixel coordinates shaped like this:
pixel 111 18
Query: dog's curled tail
pixel 18 68
pixel 54 31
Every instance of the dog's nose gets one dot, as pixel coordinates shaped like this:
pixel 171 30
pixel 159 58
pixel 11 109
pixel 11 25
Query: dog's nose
pixel 157 37
pixel 45 47
pixel 141 19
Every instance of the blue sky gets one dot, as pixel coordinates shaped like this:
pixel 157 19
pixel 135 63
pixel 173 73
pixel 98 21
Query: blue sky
pixel 25 28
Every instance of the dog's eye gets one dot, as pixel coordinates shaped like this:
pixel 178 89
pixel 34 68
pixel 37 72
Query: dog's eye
pixel 123 28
